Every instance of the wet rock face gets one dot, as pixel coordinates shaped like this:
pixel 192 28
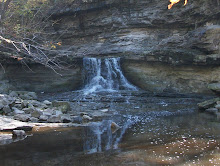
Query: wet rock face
pixel 159 77
pixel 142 27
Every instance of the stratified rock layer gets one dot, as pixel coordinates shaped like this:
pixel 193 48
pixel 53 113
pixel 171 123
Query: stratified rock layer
pixel 174 50
pixel 138 27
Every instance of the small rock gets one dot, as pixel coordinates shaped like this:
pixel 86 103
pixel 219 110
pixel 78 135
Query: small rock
pixel 217 106
pixel 37 104
pixel 218 115
pixel 17 111
pixel 30 105
pixel 57 113
pixel 215 87
pixel 104 110
pixel 34 120
pixel 32 95
pixel 18 101
pixel 114 127
pixel 86 118
pixel 64 106
pixel 65 118
pixel 7 110
pixel 48 112
pixel 83 113
pixel 18 134
pixel 29 110
pixel 207 104
pixel 212 110
pixel 76 119
pixel 47 102
pixel 25 103
pixel 1 106
pixel 43 118
pixel 54 119
pixel 26 95
pixel 18 106
pixel 22 117
pixel 13 94
pixel 36 113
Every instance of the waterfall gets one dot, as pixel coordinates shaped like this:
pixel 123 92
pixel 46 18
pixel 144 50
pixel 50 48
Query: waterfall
pixel 104 75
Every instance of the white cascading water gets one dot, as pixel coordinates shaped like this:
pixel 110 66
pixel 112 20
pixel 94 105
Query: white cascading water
pixel 104 75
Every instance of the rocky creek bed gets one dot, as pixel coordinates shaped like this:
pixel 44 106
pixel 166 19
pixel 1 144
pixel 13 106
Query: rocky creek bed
pixel 119 128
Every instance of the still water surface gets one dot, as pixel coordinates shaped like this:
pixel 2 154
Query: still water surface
pixel 143 139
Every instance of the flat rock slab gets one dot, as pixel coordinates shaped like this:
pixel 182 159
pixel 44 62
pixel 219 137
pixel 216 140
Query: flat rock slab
pixel 8 124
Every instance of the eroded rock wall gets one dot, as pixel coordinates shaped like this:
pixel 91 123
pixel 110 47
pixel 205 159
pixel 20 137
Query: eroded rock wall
pixel 38 78
pixel 166 50
pixel 138 28
pixel 174 50
pixel 158 77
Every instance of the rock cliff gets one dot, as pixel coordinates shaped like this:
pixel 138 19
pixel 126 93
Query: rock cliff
pixel 139 28
pixel 162 50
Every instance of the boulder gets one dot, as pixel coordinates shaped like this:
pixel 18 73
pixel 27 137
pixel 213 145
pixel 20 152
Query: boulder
pixel 114 127
pixel 86 118
pixel 13 94
pixel 218 106
pixel 18 134
pixel 208 104
pixel 6 99
pixel 25 103
pixel 48 112
pixel 64 106
pixel 43 118
pixel 104 110
pixel 47 102
pixel 22 117
pixel 24 95
pixel 215 87
pixel 17 111
pixel 54 119
pixel 211 110
pixel 7 110
pixel 28 110
pixel 58 112
pixel 65 118
pixel 76 119
pixel 32 95
pixel 30 105
pixel 1 106
pixel 218 115
pixel 36 113
pixel 83 113
pixel 36 103
pixel 19 106
pixel 33 119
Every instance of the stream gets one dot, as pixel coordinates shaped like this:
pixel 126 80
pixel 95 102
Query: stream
pixel 154 129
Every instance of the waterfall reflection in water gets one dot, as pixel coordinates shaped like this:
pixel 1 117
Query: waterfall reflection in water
pixel 99 136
